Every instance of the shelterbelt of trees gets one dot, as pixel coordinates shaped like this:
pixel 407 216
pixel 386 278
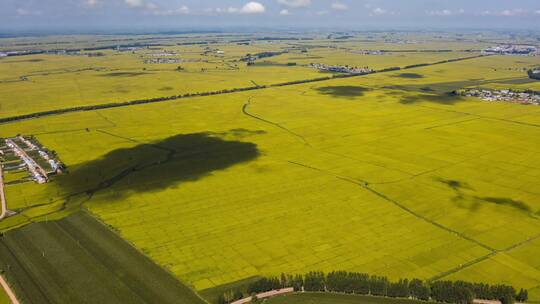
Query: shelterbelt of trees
pixel 534 74
pixel 459 292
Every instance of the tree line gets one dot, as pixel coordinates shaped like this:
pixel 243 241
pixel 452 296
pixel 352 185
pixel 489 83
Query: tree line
pixel 459 292
pixel 533 75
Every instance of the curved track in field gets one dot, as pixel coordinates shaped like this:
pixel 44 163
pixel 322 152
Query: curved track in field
pixel 245 111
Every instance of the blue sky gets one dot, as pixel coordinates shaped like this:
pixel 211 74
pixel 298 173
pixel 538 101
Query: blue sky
pixel 354 14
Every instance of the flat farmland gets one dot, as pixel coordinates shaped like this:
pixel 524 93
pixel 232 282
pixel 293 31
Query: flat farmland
pixel 47 82
pixel 384 174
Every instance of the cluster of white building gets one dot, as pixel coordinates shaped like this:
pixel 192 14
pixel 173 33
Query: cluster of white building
pixel 511 49
pixel 341 68
pixel 503 95
pixel 164 54
pixel 369 52
pixel 37 172
pixel 162 60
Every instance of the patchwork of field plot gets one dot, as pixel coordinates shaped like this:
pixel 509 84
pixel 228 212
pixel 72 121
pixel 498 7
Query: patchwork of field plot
pixel 47 82
pixel 384 174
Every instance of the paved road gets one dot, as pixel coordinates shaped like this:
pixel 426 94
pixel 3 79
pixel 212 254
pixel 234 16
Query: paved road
pixel 8 290
pixel 3 213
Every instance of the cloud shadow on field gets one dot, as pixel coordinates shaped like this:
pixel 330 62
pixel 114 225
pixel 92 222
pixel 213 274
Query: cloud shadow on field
pixel 343 91
pixel 124 74
pixel 157 165
pixel 474 202
pixel 240 133
pixel 455 184
pixel 409 75
pixel 504 201
pixel 448 99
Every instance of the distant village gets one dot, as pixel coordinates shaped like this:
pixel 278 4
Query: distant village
pixel 369 52
pixel 341 68
pixel 27 154
pixel 509 49
pixel 528 97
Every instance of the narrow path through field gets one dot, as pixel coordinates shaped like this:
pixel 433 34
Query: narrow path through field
pixel 482 116
pixel 9 292
pixel 245 111
pixel 366 186
pixel 483 258
pixel 444 274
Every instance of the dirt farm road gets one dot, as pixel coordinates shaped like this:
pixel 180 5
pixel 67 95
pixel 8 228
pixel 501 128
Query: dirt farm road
pixel 4 210
pixel 8 290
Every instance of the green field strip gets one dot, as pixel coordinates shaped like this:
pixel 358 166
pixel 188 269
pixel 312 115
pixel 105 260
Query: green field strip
pixel 77 258
pixel 22 282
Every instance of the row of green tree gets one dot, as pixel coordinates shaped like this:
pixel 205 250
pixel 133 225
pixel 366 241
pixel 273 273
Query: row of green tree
pixel 363 284
pixel 441 62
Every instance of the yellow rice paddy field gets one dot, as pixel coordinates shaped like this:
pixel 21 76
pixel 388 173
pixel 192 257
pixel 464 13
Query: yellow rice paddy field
pixel 384 173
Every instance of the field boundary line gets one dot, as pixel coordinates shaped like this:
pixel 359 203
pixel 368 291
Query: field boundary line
pixel 244 110
pixel 482 116
pixel 366 186
pixel 24 268
pixel 98 262
pixel 96 107
pixel 146 256
pixel 461 267
pixel 11 295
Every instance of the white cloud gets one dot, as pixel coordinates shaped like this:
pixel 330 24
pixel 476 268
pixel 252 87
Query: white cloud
pixel 248 8
pixel 506 13
pixel 322 13
pixel 446 12
pixel 295 3
pixel 153 9
pixel 253 8
pixel 537 12
pixel 91 3
pixel 514 12
pixel 134 3
pixel 339 6
pixel 284 12
pixel 183 10
pixel 27 12
pixel 381 11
